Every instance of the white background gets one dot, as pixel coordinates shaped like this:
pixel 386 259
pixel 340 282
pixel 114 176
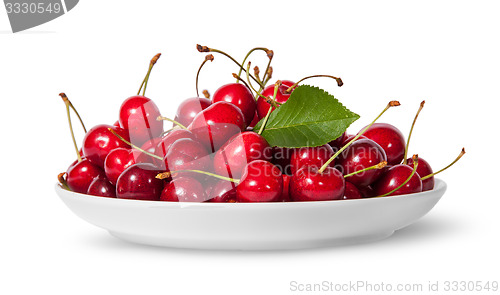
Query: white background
pixel 444 52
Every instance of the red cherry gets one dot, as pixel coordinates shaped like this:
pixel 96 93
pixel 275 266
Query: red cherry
pixel 307 184
pixel 81 174
pixel 187 154
pixel 349 137
pixel 390 139
pixel 261 182
pixel 288 83
pixel 138 114
pixel 239 95
pixel 116 162
pixel 99 142
pixel 209 184
pixel 285 196
pixel 183 189
pixel 423 169
pixel 394 177
pixel 337 143
pixel 189 108
pixel 281 97
pixel 241 149
pixel 150 146
pixel 139 182
pixel 255 120
pixel 351 192
pixel 117 124
pixel 282 157
pixel 361 154
pixel 167 140
pixel 101 187
pixel 216 124
pixel 367 191
pixel 223 192
pixel 311 156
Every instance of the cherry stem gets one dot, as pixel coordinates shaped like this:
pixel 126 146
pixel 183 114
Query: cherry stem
pixel 207 49
pixel 256 72
pixel 68 103
pixel 241 80
pixel 208 57
pixel 269 71
pixel 249 53
pixel 339 81
pixel 250 83
pixel 160 118
pixel 378 166
pixel 167 131
pixel 451 164
pixel 415 165
pixel 66 99
pixel 411 131
pixel 392 103
pixel 167 174
pixel 134 146
pixel 206 93
pixel 146 78
pixel 62 181
pixel 276 87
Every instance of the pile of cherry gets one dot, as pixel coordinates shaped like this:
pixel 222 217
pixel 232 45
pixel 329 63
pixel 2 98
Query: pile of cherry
pixel 213 154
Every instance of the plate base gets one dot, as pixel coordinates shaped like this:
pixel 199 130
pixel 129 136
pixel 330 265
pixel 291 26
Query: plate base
pixel 248 245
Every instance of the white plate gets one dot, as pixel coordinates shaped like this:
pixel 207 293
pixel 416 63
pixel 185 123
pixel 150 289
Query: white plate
pixel 252 226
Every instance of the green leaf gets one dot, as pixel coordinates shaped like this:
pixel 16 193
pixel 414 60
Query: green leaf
pixel 310 117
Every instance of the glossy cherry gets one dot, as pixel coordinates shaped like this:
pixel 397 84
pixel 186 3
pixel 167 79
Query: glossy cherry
pixel 351 192
pixel 99 142
pixel 349 137
pixel 394 177
pixel 390 139
pixel 337 143
pixel 281 97
pixel 311 156
pixel 101 187
pixel 282 157
pixel 368 191
pixel 187 154
pixel 223 192
pixel 209 184
pixel 423 169
pixel 138 114
pixel 217 124
pixel 231 159
pixel 255 120
pixel 81 174
pixel 171 137
pixel 288 83
pixel 239 95
pixel 183 189
pixel 116 162
pixel 261 182
pixel 139 182
pixel 307 184
pixel 151 146
pixel 361 154
pixel 189 108
pixel 285 196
